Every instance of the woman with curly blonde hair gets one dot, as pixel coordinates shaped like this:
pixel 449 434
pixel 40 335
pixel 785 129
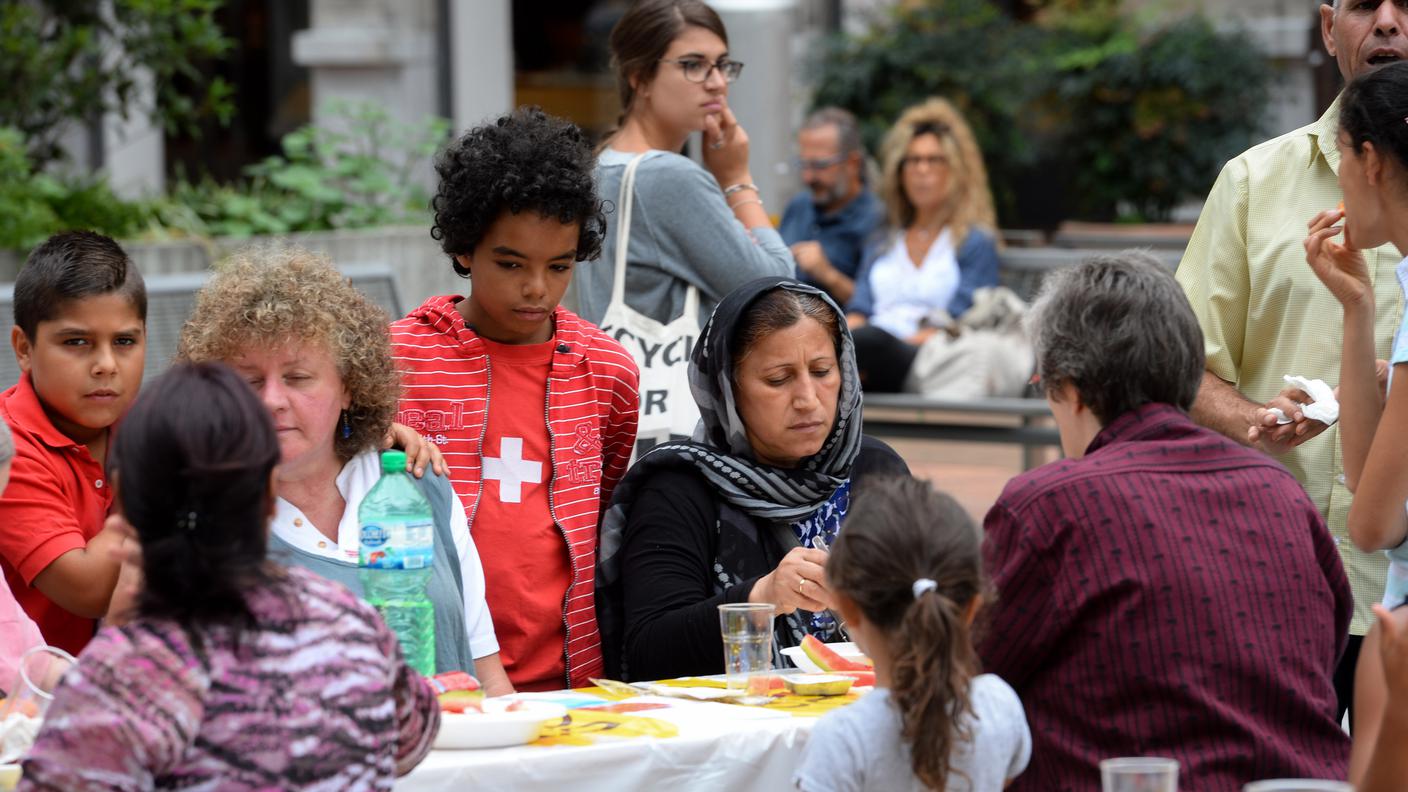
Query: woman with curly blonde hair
pixel 317 352
pixel 940 247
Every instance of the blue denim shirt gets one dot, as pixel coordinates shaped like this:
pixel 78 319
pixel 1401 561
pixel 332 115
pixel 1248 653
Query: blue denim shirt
pixel 843 235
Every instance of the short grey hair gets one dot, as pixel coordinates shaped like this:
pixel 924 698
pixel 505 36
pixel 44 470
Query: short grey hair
pixel 847 128
pixel 1119 328
pixel 7 444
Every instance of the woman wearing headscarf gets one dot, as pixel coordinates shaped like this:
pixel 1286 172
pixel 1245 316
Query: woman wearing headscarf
pixel 744 511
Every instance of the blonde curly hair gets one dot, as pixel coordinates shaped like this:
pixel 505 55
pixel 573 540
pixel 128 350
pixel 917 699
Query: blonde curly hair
pixel 272 296
pixel 969 197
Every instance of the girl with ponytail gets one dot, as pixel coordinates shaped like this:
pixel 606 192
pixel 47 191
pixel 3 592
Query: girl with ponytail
pixel 908 580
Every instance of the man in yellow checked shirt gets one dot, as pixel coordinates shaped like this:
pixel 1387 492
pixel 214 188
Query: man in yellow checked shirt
pixel 1263 313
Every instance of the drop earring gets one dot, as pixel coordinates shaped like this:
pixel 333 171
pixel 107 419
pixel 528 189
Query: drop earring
pixel 346 426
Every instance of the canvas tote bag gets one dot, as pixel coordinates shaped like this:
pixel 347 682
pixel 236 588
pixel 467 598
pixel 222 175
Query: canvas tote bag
pixel 661 351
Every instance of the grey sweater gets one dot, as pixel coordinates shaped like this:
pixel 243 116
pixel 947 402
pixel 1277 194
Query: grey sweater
pixel 682 233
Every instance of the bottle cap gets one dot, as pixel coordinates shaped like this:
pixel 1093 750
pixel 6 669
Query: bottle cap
pixel 393 461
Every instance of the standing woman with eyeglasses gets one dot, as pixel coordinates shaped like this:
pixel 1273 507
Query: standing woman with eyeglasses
pixel 690 226
pixel 940 249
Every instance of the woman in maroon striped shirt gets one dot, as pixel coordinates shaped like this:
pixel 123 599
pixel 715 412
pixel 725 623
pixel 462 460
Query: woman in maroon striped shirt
pixel 1163 591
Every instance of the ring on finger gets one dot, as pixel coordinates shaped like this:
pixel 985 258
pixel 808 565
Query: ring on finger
pixel 716 146
pixel 801 583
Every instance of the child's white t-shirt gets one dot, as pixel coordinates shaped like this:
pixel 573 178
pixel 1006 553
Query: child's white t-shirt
pixel 860 747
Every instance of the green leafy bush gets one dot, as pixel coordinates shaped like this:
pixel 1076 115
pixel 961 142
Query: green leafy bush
pixel 1151 124
pixel 67 61
pixel 360 170
pixel 966 51
pixel 1079 114
pixel 35 205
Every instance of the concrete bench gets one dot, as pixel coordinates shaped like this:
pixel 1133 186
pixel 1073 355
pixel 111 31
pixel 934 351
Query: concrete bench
pixel 1016 421
pixel 1022 269
pixel 171 298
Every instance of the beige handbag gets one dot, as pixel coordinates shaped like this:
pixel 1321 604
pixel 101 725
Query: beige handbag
pixel 986 354
pixel 661 350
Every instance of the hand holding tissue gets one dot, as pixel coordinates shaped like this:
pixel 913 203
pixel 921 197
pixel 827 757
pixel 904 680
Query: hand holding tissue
pixel 1322 406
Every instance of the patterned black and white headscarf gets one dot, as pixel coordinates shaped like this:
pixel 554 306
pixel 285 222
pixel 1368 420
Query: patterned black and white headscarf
pixel 720 450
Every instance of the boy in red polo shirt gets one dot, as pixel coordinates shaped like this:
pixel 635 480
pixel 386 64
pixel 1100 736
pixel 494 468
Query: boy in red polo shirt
pixel 80 339
pixel 533 408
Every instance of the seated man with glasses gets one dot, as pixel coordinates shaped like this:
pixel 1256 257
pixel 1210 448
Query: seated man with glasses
pixel 829 225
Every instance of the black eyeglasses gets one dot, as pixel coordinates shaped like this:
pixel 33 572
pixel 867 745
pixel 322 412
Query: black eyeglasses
pixel 821 164
pixel 931 160
pixel 697 69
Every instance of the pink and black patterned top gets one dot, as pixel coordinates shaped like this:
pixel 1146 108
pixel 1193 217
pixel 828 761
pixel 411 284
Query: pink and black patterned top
pixel 316 696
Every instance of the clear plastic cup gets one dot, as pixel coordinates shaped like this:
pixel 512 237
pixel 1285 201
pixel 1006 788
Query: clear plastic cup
pixel 39 672
pixel 1139 774
pixel 747 635
pixel 1298 785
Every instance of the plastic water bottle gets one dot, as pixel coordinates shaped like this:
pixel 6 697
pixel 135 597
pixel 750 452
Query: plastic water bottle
pixel 397 556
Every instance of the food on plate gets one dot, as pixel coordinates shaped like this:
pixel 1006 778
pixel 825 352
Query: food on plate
pixel 827 659
pixel 766 683
pixel 466 702
pixel 627 707
pixel 862 678
pixel 25 706
pixel 452 681
pixel 819 684
pixel 461 701
pixel 497 723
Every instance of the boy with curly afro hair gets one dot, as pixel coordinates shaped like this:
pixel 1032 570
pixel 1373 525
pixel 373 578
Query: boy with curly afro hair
pixel 533 407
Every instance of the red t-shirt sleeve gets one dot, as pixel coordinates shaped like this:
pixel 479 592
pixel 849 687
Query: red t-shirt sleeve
pixel 40 517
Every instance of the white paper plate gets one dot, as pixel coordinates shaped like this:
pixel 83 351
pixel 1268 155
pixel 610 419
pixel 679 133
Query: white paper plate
pixel 496 729
pixel 799 658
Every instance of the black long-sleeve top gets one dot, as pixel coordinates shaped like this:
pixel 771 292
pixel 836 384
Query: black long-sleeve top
pixel 668 566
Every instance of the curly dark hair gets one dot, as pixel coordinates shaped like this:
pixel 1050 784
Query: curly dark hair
pixel 527 160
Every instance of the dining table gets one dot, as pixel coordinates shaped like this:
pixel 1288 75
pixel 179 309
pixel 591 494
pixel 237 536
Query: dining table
pixel 676 735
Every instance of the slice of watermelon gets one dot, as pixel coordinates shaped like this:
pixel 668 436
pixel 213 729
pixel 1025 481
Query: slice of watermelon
pixel 827 659
pixel 448 681
pixel 460 704
pixel 862 678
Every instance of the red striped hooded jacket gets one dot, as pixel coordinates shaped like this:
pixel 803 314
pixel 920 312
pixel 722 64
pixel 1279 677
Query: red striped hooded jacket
pixel 591 412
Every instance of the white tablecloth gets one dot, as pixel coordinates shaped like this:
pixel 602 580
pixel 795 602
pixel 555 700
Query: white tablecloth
pixel 719 747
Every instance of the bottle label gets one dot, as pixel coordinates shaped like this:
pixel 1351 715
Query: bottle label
pixel 398 544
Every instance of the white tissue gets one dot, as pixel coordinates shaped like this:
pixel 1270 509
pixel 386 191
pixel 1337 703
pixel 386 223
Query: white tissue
pixel 17 733
pixel 1281 418
pixel 1324 407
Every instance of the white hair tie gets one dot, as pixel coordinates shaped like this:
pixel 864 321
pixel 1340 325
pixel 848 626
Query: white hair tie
pixel 923 585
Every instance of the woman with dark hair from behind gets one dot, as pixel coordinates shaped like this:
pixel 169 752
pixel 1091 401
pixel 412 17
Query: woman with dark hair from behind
pixel 232 670
pixel 907 577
